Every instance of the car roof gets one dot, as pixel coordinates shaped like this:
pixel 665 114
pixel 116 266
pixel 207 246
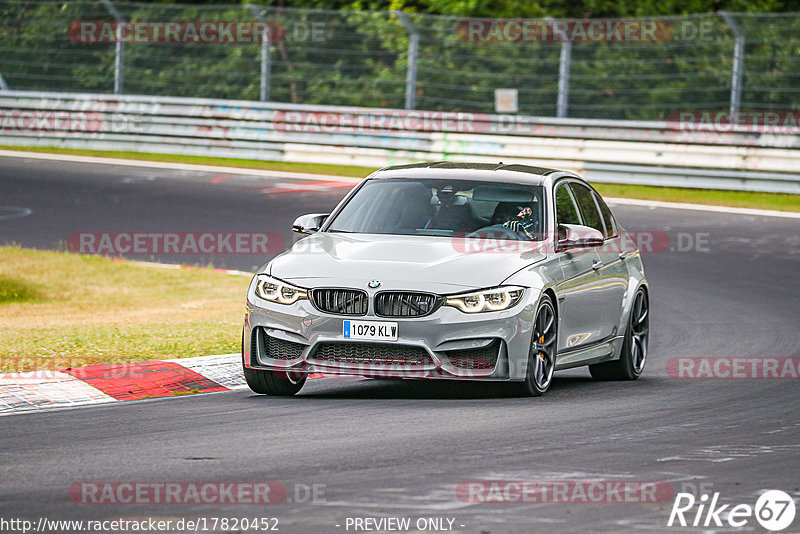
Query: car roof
pixel 451 170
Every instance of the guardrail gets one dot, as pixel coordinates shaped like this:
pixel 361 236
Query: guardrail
pixel 652 153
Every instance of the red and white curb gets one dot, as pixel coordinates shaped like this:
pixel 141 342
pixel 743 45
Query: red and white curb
pixel 115 382
pixel 107 383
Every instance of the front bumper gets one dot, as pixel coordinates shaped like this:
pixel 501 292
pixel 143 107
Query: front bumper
pixel 448 344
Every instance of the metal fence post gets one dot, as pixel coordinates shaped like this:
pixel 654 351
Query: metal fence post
pixel 3 85
pixel 266 63
pixel 119 50
pixel 563 79
pixel 738 60
pixel 413 52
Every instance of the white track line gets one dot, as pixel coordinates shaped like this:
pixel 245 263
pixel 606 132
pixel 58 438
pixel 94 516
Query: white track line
pixel 703 207
pixel 177 166
pixel 329 177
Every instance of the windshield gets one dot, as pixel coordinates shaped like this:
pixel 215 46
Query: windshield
pixel 444 208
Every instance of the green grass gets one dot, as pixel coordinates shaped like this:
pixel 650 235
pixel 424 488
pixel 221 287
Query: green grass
pixel 13 290
pixel 739 199
pixel 72 310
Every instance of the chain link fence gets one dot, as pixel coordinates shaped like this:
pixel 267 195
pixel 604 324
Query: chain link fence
pixel 613 69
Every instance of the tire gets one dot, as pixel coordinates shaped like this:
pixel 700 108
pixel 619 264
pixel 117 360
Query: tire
pixel 542 354
pixel 275 383
pixel 631 362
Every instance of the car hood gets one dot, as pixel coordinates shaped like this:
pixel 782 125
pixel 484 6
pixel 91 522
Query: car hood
pixel 436 264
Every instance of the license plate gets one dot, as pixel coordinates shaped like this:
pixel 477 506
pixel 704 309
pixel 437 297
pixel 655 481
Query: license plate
pixel 375 330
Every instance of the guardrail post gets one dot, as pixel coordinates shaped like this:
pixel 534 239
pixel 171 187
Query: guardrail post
pixel 3 85
pixel 738 60
pixel 266 63
pixel 413 52
pixel 119 50
pixel 563 79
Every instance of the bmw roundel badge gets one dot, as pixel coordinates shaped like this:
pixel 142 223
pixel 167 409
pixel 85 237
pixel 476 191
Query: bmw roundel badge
pixel 373 284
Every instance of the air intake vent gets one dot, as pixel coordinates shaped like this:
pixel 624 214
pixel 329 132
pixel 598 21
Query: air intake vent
pixel 405 304
pixel 349 354
pixel 267 346
pixel 475 359
pixel 340 301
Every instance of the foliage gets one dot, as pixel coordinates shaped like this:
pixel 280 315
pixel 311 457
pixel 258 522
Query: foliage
pixel 358 55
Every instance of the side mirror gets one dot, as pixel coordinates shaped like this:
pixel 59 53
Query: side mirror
pixel 577 236
pixel 308 224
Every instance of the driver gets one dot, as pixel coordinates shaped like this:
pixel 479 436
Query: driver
pixel 517 218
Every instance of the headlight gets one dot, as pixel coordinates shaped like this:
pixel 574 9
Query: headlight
pixel 486 300
pixel 275 290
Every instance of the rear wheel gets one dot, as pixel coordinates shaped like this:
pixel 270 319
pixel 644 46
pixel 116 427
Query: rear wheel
pixel 634 349
pixel 542 355
pixel 276 383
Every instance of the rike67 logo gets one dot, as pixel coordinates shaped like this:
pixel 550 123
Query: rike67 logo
pixel 774 510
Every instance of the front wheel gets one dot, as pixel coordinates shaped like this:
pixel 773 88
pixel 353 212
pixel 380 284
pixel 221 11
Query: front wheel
pixel 542 355
pixel 276 383
pixel 634 349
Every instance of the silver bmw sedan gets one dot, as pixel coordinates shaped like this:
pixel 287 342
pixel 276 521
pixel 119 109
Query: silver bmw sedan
pixel 452 271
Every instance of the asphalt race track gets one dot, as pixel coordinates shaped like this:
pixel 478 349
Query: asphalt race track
pixel 401 448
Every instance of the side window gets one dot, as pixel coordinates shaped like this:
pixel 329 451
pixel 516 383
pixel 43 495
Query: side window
pixel 608 218
pixel 591 215
pixel 566 212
